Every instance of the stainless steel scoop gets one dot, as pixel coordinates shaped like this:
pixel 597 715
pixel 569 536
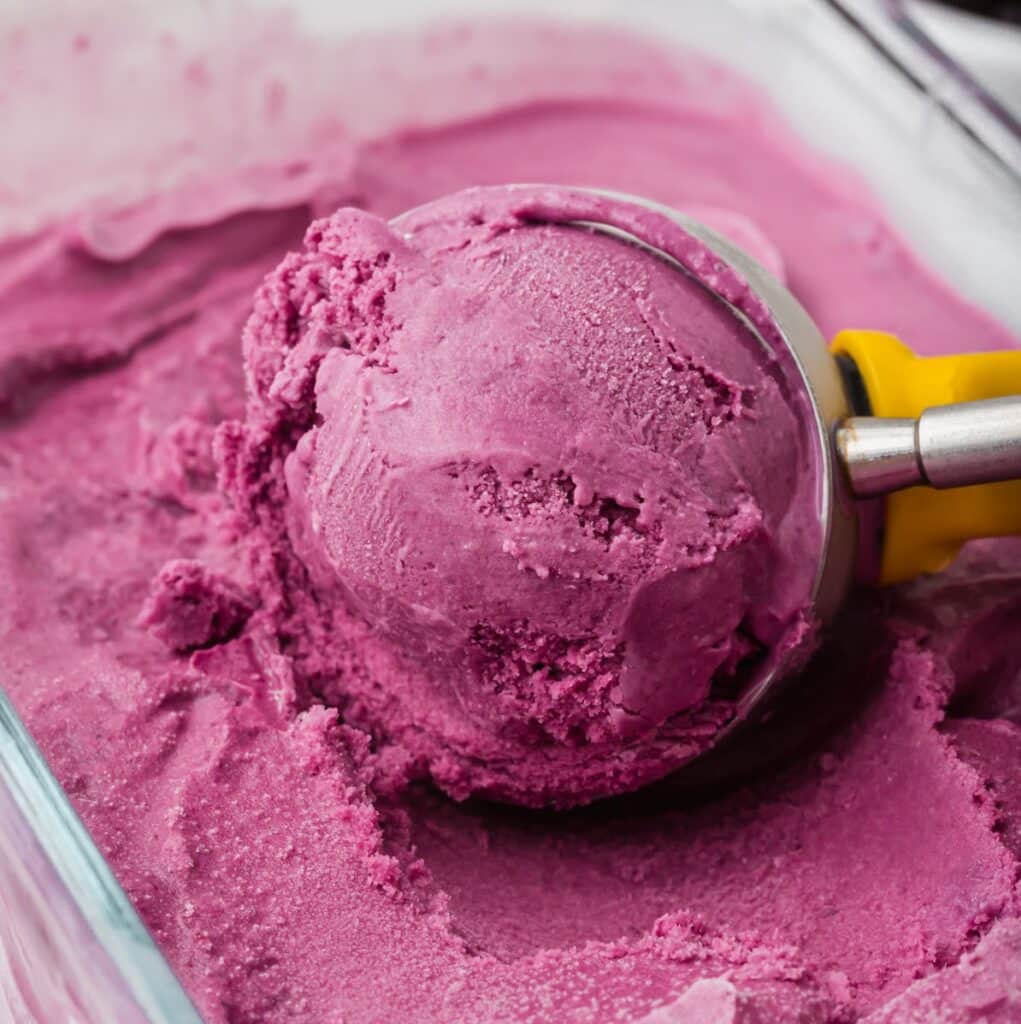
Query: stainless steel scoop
pixel 867 456
pixel 882 420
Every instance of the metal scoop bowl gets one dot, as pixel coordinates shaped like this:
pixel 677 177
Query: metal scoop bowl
pixel 915 455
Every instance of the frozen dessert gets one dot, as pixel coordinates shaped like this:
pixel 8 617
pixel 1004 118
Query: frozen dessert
pixel 554 498
pixel 246 755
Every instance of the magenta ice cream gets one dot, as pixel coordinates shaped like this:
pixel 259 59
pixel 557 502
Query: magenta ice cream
pixel 551 489
pixel 249 746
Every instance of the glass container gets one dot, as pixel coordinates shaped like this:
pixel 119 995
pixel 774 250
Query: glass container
pixel 860 81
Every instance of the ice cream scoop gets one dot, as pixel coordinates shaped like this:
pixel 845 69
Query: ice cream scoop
pixel 559 479
pixel 917 454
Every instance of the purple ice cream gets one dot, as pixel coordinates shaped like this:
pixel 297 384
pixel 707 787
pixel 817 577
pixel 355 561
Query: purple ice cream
pixel 549 487
pixel 200 700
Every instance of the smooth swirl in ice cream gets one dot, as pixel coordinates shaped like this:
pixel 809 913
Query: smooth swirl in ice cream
pixel 552 495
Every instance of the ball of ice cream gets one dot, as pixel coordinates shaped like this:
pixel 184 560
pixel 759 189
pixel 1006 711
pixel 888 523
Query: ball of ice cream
pixel 548 489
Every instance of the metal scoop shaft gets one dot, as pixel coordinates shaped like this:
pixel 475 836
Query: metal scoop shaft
pixel 947 446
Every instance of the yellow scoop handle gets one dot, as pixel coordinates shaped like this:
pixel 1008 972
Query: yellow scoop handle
pixel 925 528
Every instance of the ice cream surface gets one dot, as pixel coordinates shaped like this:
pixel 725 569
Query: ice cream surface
pixel 264 805
pixel 556 492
